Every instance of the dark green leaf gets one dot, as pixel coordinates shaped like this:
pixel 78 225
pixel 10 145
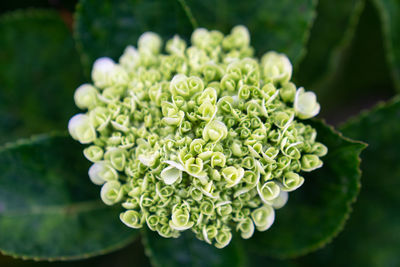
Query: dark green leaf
pixel 274 25
pixel 12 5
pixel 48 207
pixel 316 212
pixel 105 28
pixel 256 260
pixel 39 71
pixel 131 255
pixel 389 12
pixel 187 250
pixel 330 34
pixel 372 235
pixel 357 80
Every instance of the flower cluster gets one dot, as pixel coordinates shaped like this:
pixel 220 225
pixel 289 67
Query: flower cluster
pixel 206 137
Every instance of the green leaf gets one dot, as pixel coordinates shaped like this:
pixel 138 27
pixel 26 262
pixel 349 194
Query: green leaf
pixel 356 79
pixel 256 260
pixel 372 235
pixel 274 25
pixel 106 28
pixel 39 71
pixel 48 208
pixel 326 41
pixel 389 13
pixel 316 212
pixel 12 5
pixel 187 250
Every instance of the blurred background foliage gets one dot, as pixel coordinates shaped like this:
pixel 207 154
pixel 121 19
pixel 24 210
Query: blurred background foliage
pixel 347 51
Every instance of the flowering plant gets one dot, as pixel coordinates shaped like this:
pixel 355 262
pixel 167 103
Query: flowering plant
pixel 203 138
pixel 196 142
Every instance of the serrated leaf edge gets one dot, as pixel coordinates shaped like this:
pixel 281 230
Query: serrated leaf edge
pixel 242 257
pixel 31 141
pixel 322 243
pixel 366 112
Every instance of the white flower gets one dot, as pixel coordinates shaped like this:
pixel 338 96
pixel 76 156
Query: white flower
pixel 305 104
pixel 85 96
pixel 81 129
pixel 101 172
pixel 150 41
pixel 102 68
pixel 130 59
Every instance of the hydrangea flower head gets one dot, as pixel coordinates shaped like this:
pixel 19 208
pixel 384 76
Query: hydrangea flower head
pixel 205 138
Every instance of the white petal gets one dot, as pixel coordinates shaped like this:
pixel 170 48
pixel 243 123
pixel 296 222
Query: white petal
pixel 170 175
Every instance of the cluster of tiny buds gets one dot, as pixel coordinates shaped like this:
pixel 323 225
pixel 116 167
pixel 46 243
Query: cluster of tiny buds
pixel 206 137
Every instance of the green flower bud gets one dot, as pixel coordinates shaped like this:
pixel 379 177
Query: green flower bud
pixel 176 46
pixel 150 41
pixel 180 219
pixel 131 218
pixel 310 162
pixel 102 171
pixel 117 158
pixel 246 227
pixel 232 175
pixel 287 92
pixel 130 59
pixel 218 159
pixel 111 192
pixel 239 37
pixel 223 238
pixel 268 192
pixel 276 68
pixel 93 153
pixel 263 217
pixel 291 181
pixel 215 131
pixel 207 111
pixel 209 95
pixel 282 119
pixel 211 72
pixel 200 38
pixel 85 96
pixel 319 149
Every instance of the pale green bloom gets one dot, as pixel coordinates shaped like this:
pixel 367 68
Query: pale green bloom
pixel 276 68
pixel 102 171
pixel 170 175
pixel 81 129
pixel 93 153
pixel 102 72
pixel 263 217
pixel 111 192
pixel 85 96
pixel 130 59
pixel 305 104
pixel 291 181
pixel 180 219
pixel 132 219
pixel 203 138
pixel 215 131
pixel 150 41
